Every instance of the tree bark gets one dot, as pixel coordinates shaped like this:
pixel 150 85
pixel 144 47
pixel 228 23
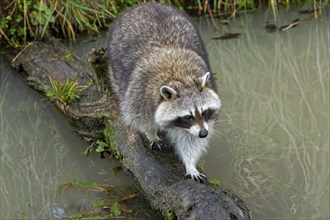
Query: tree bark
pixel 157 174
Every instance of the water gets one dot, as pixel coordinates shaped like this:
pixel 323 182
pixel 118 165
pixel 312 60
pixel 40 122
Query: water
pixel 40 152
pixel 272 145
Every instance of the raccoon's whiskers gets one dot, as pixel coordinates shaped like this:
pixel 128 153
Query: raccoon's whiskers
pixel 187 135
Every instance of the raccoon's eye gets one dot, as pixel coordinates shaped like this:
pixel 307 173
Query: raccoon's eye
pixel 188 118
pixel 205 113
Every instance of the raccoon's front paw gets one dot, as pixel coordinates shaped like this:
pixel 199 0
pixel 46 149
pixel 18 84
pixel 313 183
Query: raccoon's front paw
pixel 156 145
pixel 198 177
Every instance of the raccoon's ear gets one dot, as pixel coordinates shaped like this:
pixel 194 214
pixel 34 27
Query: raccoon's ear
pixel 168 93
pixel 205 78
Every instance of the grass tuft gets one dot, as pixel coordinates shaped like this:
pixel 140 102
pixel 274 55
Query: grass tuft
pixel 65 92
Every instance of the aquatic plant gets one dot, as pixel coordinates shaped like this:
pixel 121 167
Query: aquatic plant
pixel 100 147
pixel 116 203
pixel 108 145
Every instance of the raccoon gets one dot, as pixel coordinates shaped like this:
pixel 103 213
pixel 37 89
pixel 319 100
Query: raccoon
pixel 160 71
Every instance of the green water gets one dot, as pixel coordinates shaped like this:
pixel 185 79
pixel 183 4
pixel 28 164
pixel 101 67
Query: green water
pixel 272 145
pixel 39 153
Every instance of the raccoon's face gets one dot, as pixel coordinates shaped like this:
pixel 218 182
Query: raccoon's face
pixel 197 120
pixel 194 111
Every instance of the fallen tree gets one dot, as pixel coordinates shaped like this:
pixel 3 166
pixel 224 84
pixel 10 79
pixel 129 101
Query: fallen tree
pixel 158 175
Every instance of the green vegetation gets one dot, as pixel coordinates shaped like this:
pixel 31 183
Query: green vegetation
pixel 109 134
pixel 115 209
pixel 215 182
pixel 88 150
pixel 115 205
pixel 100 147
pixel 24 20
pixel 65 92
pixel 170 215
pixel 108 145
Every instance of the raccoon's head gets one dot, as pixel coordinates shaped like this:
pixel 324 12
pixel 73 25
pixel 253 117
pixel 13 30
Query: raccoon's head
pixel 190 105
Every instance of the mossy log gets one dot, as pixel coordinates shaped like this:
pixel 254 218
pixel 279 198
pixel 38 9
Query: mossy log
pixel 157 174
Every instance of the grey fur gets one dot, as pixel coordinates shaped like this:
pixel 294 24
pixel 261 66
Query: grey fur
pixel 157 64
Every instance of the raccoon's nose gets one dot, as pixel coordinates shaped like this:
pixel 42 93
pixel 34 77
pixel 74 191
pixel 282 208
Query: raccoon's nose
pixel 203 133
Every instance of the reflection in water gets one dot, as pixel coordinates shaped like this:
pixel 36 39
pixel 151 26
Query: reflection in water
pixel 273 142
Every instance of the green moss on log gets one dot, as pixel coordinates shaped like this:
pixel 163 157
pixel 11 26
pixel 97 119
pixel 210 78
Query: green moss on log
pixel 112 139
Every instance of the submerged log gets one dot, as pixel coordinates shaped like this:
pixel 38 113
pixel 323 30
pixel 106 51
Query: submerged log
pixel 157 174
